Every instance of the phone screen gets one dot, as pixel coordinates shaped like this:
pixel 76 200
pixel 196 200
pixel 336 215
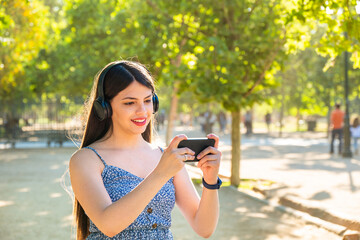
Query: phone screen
pixel 197 145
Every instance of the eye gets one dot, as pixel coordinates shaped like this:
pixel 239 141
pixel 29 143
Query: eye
pixel 148 101
pixel 129 103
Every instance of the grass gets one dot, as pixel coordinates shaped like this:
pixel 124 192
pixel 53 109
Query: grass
pixel 321 126
pixel 245 184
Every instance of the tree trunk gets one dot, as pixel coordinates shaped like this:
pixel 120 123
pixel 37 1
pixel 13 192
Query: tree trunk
pixel 172 114
pixel 328 119
pixel 282 109
pixel 191 119
pixel 358 100
pixel 235 148
pixel 297 118
pixel 174 100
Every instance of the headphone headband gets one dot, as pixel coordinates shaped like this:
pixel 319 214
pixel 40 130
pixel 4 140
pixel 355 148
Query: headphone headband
pixel 100 88
pixel 101 107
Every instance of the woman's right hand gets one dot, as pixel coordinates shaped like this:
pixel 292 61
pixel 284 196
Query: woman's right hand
pixel 173 158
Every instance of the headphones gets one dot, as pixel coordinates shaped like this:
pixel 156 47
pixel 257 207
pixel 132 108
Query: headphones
pixel 102 107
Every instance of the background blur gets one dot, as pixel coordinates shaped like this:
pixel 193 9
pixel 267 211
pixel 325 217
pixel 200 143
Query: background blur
pixel 285 58
pixel 266 67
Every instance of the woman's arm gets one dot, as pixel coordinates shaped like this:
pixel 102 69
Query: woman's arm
pixel 202 214
pixel 112 218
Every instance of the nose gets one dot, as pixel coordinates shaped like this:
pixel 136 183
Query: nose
pixel 141 109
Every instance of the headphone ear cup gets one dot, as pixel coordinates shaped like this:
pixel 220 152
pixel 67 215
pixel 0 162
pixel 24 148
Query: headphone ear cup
pixel 108 109
pixel 155 100
pixel 102 109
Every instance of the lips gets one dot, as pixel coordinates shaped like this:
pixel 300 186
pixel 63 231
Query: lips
pixel 139 121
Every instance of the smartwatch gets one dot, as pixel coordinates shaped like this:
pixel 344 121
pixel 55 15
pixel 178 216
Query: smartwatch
pixel 212 186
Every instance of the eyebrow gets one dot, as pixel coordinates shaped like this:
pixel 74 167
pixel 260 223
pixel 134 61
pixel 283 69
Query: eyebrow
pixel 132 98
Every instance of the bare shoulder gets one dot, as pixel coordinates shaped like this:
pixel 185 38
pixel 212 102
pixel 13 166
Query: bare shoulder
pixel 80 156
pixel 84 158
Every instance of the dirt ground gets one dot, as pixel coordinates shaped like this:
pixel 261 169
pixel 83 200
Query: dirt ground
pixel 34 205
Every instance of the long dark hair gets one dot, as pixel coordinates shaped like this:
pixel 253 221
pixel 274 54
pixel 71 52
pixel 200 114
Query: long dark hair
pixel 119 77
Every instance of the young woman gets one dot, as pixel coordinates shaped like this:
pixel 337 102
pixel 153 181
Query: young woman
pixel 355 134
pixel 125 187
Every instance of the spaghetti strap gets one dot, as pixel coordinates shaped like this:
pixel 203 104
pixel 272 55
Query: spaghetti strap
pixel 161 149
pixel 103 161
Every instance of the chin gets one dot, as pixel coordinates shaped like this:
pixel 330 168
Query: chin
pixel 140 130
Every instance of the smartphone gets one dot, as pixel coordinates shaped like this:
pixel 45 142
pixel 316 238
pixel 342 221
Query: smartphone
pixel 197 145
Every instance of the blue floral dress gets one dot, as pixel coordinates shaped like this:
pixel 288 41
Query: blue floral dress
pixel 154 221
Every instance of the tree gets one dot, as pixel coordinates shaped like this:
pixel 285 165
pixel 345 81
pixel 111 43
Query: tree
pixel 225 52
pixel 221 54
pixel 174 38
pixel 305 88
pixel 339 17
pixel 23 32
pixel 244 43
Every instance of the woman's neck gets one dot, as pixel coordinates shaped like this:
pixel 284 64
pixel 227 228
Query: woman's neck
pixel 118 140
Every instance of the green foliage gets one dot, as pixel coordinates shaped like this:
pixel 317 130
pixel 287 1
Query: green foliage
pixel 225 52
pixel 339 17
pixel 241 45
pixel 219 54
pixel 23 32
pixel 311 90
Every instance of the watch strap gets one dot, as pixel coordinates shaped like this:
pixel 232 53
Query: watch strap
pixel 212 186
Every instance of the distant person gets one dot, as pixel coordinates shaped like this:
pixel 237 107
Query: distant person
pixel 210 119
pixel 181 118
pixel 201 120
pixel 337 122
pixel 126 187
pixel 221 117
pixel 160 119
pixel 355 134
pixel 268 121
pixel 248 122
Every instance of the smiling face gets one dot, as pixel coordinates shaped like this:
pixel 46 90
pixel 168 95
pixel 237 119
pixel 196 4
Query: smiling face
pixel 132 109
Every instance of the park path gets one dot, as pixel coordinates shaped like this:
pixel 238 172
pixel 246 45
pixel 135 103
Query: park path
pixel 33 204
pixel 301 163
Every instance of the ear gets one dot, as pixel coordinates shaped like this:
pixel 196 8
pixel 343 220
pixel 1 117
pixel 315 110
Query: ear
pixel 155 101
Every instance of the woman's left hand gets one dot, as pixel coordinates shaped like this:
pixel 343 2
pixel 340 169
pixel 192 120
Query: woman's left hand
pixel 210 161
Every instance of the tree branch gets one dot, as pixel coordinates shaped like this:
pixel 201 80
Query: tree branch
pixel 262 75
pixel 256 3
pixel 154 6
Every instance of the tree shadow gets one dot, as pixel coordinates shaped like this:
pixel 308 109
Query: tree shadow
pixel 321 196
pixel 30 180
pixel 310 160
pixel 35 205
pixel 243 218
